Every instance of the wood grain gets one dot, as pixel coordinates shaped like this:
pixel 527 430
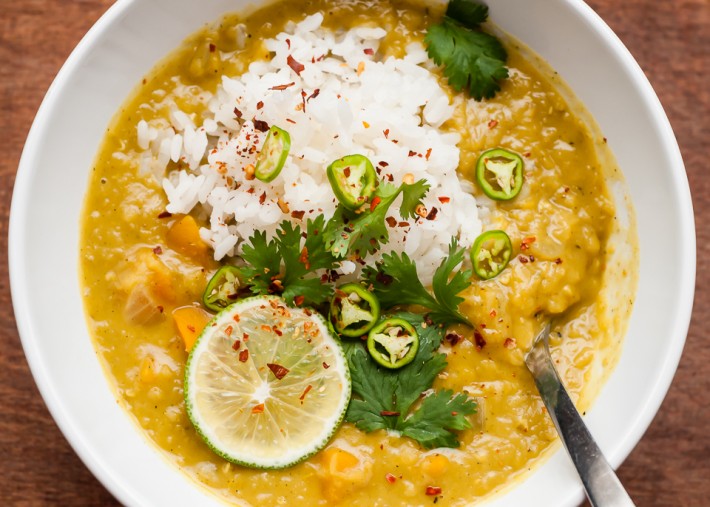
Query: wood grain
pixel 670 40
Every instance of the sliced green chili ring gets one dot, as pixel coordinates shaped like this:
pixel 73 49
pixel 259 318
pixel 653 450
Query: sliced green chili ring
pixel 221 290
pixel 272 157
pixel 353 179
pixel 499 173
pixel 354 310
pixel 491 253
pixel 393 343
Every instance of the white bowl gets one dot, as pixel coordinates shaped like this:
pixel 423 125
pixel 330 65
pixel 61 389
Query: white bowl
pixel 125 43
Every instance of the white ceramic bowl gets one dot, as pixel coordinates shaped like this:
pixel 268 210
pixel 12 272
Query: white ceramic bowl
pixel 126 43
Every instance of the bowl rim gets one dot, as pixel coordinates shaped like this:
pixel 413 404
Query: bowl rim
pixel 21 299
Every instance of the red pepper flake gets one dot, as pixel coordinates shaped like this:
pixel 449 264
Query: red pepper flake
pixel 278 370
pixel 453 338
pixel 390 478
pixel 158 250
pixel 288 43
pixel 558 261
pixel 454 413
pixel 191 328
pixel 492 124
pixel 433 490
pixel 282 87
pixel 412 153
pixel 493 314
pixel 527 154
pixel 259 105
pixel 386 132
pixel 161 309
pixel 404 224
pixel 391 221
pixel 298 215
pixel 266 328
pixel 290 120
pixel 480 341
pixel 368 51
pixel 383 163
pixel 428 154
pixel 244 356
pixel 314 94
pixel 432 213
pixel 165 214
pixel 388 413
pixel 375 201
pixel 299 300
pixel 258 409
pixel 305 392
pixel 236 317
pixel 278 331
pixel 228 330
pixel 444 200
pixel 295 65
pixel 509 343
pixel 303 258
pixel 523 259
pixel 262 198
pixel 245 336
pixel 526 242
pixel 260 125
pixel 237 113
pixel 326 365
pixel 236 344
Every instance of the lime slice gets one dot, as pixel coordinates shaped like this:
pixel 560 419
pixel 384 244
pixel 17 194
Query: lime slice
pixel 266 385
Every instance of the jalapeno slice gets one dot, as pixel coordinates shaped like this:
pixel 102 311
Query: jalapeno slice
pixel 221 290
pixel 393 343
pixel 491 253
pixel 499 173
pixel 353 310
pixel 353 179
pixel 272 157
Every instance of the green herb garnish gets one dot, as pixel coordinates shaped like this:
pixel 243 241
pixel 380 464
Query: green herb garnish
pixel 286 265
pixel 386 399
pixel 472 59
pixel 362 233
pixel 395 282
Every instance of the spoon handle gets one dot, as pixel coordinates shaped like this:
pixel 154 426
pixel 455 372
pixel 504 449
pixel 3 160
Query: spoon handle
pixel 601 484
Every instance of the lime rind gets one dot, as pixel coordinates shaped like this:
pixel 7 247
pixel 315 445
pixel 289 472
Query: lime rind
pixel 301 412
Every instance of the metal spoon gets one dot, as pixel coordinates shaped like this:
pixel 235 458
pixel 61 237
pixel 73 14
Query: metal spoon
pixel 601 484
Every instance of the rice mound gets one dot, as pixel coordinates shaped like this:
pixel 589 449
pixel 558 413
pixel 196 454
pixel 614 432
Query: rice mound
pixel 335 97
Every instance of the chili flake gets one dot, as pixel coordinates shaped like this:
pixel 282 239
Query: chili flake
pixel 433 490
pixel 236 344
pixel 244 356
pixel 390 478
pixel 258 409
pixel 296 66
pixel 278 370
pixel 305 392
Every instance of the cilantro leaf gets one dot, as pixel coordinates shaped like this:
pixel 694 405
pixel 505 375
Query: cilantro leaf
pixel 348 233
pixel 395 282
pixel 287 264
pixel 386 399
pixel 262 262
pixel 469 13
pixel 438 414
pixel 472 59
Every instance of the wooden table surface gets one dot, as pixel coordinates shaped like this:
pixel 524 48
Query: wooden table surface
pixel 670 40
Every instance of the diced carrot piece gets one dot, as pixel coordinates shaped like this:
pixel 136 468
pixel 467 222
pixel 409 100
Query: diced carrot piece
pixel 435 465
pixel 184 236
pixel 190 321
pixel 337 460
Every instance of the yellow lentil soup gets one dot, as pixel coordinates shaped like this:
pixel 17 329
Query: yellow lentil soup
pixel 143 266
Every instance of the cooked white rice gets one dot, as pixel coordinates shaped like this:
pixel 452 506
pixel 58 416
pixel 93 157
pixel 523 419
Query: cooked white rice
pixel 344 101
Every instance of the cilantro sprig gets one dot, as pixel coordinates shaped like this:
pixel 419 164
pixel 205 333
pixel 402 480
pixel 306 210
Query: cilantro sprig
pixel 395 282
pixel 362 233
pixel 390 399
pixel 287 264
pixel 472 59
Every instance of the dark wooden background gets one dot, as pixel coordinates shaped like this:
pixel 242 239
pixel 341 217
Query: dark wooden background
pixel 670 40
